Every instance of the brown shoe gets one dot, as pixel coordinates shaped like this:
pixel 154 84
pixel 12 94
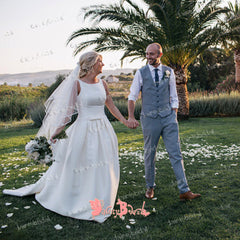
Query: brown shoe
pixel 149 193
pixel 188 196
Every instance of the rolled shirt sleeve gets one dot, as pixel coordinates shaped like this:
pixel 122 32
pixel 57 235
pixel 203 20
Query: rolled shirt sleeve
pixel 135 87
pixel 173 90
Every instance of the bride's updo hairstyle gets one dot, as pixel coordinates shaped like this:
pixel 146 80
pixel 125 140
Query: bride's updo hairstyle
pixel 86 62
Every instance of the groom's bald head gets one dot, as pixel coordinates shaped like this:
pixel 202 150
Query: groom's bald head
pixel 155 46
pixel 154 54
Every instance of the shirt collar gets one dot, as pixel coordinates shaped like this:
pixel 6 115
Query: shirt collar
pixel 152 68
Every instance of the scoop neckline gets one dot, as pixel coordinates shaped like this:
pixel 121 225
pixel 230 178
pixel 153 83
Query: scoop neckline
pixel 90 83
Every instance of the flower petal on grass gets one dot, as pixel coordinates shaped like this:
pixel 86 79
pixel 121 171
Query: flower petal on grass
pixel 128 227
pixel 4 226
pixel 58 227
pixel 8 203
pixel 9 214
pixel 132 221
pixel 27 207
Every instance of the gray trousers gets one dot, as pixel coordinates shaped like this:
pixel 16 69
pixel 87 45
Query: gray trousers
pixel 166 127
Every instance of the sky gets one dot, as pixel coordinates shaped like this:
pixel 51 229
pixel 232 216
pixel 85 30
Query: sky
pixel 33 35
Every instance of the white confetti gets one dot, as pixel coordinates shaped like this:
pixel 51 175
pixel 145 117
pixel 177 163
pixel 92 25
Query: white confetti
pixel 130 172
pixel 34 202
pixel 154 210
pixel 8 203
pixel 216 173
pixel 132 221
pixel 234 164
pixel 27 207
pixel 9 214
pixel 128 227
pixel 58 227
pixel 125 183
pixel 154 199
pixel 16 208
pixel 214 186
pixel 123 217
pixel 1 184
pixel 4 226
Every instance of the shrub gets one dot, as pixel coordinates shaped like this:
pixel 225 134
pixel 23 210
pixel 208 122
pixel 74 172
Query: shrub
pixel 14 108
pixel 37 112
pixel 215 105
pixel 227 85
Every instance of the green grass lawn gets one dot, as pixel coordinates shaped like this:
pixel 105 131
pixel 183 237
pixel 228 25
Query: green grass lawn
pixel 211 151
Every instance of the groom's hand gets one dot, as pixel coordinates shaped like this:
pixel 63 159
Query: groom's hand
pixel 132 123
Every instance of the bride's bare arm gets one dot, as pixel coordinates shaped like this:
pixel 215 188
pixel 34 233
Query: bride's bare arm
pixel 112 108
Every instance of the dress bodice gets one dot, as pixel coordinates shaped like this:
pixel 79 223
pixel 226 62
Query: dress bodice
pixel 91 100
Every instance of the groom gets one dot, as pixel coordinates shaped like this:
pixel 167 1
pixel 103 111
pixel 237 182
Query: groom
pixel 158 118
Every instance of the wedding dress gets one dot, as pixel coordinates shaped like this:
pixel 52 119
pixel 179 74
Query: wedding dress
pixel 86 165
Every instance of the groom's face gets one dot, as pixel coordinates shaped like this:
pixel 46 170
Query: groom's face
pixel 153 55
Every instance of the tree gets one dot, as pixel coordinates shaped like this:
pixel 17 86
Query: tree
pixel 230 35
pixel 184 28
pixel 51 89
pixel 209 69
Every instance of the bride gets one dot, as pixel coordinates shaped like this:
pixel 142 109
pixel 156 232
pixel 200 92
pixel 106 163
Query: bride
pixel 86 166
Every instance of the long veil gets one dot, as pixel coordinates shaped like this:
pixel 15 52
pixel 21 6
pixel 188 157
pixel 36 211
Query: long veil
pixel 60 106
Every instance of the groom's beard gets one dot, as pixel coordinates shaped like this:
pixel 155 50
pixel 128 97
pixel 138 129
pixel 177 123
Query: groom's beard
pixel 154 62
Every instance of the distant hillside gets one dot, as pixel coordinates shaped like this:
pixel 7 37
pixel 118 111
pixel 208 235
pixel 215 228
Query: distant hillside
pixel 47 77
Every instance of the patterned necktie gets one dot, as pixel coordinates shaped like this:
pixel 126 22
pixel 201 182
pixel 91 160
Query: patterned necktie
pixel 156 77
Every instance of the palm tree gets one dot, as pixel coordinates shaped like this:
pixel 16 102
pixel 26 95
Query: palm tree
pixel 230 36
pixel 184 28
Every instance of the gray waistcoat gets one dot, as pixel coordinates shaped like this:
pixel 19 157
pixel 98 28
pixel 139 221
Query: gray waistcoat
pixel 155 100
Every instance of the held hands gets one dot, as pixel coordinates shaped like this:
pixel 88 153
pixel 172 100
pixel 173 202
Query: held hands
pixel 131 123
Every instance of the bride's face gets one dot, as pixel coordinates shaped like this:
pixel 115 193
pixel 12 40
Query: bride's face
pixel 97 67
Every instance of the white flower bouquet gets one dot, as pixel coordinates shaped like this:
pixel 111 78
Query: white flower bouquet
pixel 39 150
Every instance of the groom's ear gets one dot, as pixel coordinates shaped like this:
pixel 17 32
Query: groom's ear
pixel 160 54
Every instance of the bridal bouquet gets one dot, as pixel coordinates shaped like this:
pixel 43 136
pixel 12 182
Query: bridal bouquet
pixel 39 149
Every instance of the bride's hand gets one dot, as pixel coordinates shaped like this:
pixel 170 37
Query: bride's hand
pixel 125 122
pixel 132 123
pixel 53 140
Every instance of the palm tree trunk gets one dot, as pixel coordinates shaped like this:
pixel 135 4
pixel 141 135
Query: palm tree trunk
pixel 181 84
pixel 237 68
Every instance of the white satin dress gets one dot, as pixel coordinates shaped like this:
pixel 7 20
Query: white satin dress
pixel 86 165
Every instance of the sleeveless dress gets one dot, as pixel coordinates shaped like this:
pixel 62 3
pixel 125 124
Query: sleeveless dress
pixel 86 166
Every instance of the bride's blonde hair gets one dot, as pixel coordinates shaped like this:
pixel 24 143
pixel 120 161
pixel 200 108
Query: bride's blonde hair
pixel 86 62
